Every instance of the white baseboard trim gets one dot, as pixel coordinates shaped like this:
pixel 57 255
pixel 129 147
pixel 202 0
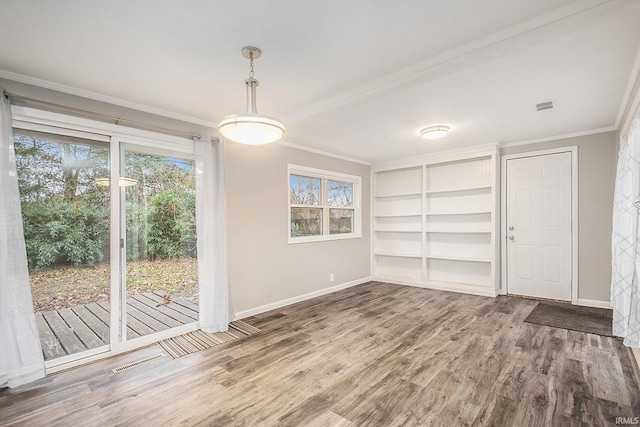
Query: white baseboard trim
pixel 441 286
pixel 461 288
pixel 299 298
pixel 594 303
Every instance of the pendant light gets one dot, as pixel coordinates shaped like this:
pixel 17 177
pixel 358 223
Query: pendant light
pixel 251 127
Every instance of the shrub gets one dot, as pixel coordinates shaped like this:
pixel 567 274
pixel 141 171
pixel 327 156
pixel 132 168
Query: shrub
pixel 65 232
pixel 171 225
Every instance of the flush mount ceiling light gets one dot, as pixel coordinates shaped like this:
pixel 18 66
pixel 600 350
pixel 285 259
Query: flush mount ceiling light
pixel 251 127
pixel 433 132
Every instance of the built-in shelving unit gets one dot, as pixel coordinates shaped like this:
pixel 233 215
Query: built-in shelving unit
pixel 434 222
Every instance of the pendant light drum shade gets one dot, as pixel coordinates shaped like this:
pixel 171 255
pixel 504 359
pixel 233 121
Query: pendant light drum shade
pixel 253 129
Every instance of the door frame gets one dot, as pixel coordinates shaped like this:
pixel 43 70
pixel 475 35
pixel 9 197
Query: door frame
pixel 503 285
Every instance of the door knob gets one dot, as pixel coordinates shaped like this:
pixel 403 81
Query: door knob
pixel 511 238
pixel 511 227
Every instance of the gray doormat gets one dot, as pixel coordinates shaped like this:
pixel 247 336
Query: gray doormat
pixel 591 320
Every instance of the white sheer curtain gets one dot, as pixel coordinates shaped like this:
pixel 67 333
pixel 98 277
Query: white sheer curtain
pixel 21 359
pixel 625 262
pixel 211 225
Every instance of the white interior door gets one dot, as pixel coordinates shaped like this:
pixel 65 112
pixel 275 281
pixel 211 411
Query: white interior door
pixel 538 221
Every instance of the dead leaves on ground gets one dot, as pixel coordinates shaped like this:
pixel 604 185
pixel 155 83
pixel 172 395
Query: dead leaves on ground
pixel 165 300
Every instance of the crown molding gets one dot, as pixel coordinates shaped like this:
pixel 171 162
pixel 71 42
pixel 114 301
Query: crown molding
pixel 321 152
pixel 471 151
pixel 32 81
pixel 631 101
pixel 535 31
pixel 558 137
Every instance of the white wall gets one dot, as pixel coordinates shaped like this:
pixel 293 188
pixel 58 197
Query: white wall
pixel 597 156
pixel 264 270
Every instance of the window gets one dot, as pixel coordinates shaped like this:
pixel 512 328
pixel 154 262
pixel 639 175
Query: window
pixel 323 205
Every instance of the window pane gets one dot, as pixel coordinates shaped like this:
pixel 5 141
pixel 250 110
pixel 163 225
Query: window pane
pixel 160 209
pixel 65 213
pixel 340 221
pixel 305 190
pixel 340 193
pixel 306 222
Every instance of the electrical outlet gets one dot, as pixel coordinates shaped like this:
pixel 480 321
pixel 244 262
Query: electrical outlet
pixel 331 277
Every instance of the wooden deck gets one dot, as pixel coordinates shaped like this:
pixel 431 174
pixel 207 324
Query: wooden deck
pixel 84 327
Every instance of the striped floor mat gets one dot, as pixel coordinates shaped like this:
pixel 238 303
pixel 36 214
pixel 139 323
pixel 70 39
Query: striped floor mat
pixel 198 340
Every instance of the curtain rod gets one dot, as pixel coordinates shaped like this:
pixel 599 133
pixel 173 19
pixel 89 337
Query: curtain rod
pixel 116 120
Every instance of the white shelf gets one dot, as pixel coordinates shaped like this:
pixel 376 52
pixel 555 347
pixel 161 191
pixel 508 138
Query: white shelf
pixel 398 255
pixel 437 208
pixel 458 213
pixel 460 231
pixel 443 257
pixel 454 258
pixel 397 215
pixel 398 231
pixel 386 196
pixel 446 283
pixel 461 189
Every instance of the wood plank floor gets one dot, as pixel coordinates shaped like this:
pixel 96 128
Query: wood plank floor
pixel 84 327
pixel 372 355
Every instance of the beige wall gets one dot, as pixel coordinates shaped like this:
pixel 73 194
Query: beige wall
pixel 597 156
pixel 263 268
pixel 89 105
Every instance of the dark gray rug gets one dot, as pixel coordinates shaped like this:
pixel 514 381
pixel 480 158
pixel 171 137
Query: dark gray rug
pixel 591 320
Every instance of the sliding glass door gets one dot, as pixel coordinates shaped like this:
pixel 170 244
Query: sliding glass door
pixel 160 274
pixel 111 242
pixel 65 210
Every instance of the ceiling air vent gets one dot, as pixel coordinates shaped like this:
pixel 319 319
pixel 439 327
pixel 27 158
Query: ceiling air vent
pixel 544 106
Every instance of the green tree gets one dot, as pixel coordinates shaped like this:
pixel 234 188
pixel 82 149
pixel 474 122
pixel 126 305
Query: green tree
pixel 65 214
pixel 161 208
pixel 171 226
pixel 65 233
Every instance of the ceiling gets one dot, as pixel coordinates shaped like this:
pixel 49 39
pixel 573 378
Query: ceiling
pixel 356 78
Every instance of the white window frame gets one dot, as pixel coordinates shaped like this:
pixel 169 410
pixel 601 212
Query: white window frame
pixel 326 176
